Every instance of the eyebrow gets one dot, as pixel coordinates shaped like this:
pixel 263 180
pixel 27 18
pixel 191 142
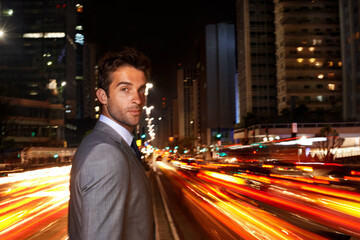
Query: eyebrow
pixel 129 84
pixel 124 83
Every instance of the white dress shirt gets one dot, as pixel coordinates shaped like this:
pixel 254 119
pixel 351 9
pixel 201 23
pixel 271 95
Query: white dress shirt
pixel 124 133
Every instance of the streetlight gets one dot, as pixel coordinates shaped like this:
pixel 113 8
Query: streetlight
pixel 2 33
pixel 148 119
pixel 148 110
pixel 148 86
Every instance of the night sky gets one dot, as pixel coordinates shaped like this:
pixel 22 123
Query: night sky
pixel 163 30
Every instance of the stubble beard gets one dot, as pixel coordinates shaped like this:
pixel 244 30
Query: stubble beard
pixel 121 118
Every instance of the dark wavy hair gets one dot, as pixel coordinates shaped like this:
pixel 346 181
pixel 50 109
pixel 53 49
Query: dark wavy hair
pixel 111 61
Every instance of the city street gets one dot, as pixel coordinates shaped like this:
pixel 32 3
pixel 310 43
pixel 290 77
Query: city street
pixel 191 204
pixel 210 205
pixel 33 204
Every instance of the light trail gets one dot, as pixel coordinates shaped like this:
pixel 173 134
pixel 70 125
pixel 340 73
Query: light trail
pixel 34 200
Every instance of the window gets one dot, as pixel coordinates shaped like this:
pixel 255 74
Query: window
pixel 316 42
pixel 7 12
pixel 331 87
pixel 331 75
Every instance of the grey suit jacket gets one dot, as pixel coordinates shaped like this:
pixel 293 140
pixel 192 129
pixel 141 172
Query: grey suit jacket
pixel 110 196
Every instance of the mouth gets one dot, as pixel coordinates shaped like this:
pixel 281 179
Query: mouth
pixel 135 112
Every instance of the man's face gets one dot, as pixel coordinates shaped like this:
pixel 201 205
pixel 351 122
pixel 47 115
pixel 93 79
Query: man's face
pixel 126 97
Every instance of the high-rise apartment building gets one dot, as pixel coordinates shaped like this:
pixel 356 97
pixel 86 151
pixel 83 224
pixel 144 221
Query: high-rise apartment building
pixel 308 52
pixel 350 38
pixel 217 88
pixel 44 58
pixel 256 82
pixel 188 101
pixel 38 50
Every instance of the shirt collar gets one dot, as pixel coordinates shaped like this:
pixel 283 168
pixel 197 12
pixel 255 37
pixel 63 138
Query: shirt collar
pixel 124 133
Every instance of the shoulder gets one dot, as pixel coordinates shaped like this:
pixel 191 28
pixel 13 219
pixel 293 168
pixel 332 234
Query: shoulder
pixel 99 149
pixel 99 162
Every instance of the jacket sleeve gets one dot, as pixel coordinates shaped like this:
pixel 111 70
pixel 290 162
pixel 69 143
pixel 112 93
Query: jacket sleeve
pixel 104 186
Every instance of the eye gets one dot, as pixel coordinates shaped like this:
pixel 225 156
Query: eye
pixel 124 89
pixel 142 90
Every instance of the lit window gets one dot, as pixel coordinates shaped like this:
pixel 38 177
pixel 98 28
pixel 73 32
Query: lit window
pixel 33 35
pixel 97 108
pixel 79 38
pixel 312 60
pixel 320 98
pixel 318 64
pixel 300 60
pixel 330 64
pixel 311 49
pixel 321 76
pixel 339 64
pixel 8 12
pixel 54 35
pixel 79 8
pixel 357 35
pixel 44 35
pixel 331 87
pixel 299 49
pixel 317 41
pixel 331 75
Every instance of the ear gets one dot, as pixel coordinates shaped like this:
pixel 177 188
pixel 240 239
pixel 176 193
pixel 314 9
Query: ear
pixel 101 95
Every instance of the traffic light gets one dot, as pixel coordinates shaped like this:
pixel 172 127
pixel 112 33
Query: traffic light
pixel 143 136
pixel 218 136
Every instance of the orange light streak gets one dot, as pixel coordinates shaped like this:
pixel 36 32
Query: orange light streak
pixel 349 225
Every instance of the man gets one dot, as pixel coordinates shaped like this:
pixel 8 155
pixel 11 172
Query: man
pixel 110 196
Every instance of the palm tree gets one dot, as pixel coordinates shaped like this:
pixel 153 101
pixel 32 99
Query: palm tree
pixel 328 148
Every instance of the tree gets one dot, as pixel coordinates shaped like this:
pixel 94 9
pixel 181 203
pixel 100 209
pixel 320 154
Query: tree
pixel 329 146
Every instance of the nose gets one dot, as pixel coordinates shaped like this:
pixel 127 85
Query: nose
pixel 137 98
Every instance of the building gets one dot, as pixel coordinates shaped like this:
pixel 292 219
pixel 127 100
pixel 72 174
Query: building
pixel 188 100
pixel 350 40
pixel 217 88
pixel 166 124
pixel 33 123
pixel 44 57
pixel 256 62
pixel 308 53
pixel 38 50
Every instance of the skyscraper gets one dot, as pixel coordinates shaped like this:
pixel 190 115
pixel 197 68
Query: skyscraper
pixel 44 59
pixel 38 50
pixel 219 86
pixel 308 55
pixel 256 82
pixel 350 38
pixel 188 104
